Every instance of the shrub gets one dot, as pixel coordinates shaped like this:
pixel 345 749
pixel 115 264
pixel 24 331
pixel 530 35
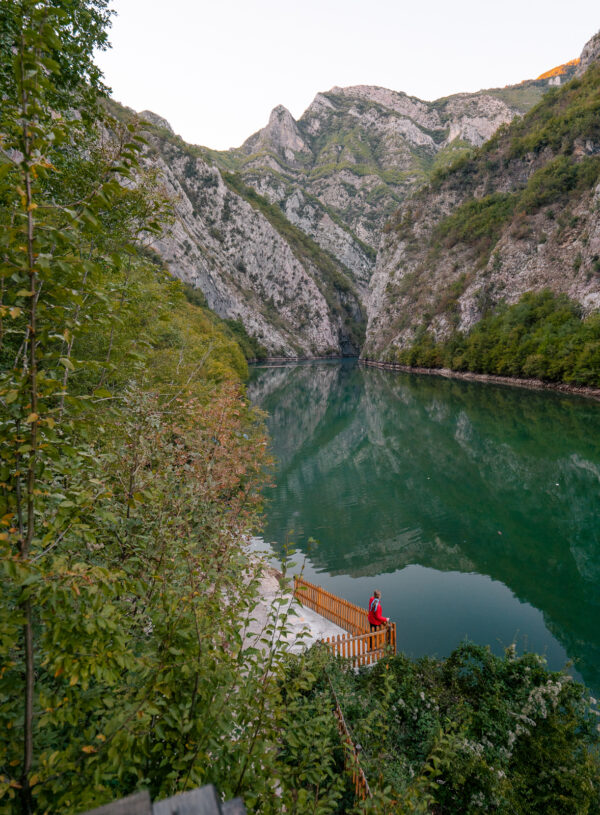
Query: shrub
pixel 477 220
pixel 543 335
pixel 471 733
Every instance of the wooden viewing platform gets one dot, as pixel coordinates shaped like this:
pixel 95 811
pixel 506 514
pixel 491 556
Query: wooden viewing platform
pixel 361 645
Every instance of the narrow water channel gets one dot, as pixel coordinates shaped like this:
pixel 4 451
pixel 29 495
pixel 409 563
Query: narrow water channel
pixel 473 507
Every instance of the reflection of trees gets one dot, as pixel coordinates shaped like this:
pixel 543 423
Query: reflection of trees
pixel 387 470
pixel 296 397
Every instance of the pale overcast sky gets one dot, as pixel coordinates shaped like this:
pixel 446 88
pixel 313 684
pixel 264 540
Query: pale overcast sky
pixel 216 69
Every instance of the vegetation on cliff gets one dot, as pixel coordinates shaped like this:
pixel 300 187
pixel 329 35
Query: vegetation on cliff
pixel 562 118
pixel 549 134
pixel 543 336
pixel 336 287
pixel 130 465
pixel 519 214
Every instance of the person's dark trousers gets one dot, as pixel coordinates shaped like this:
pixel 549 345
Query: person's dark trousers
pixel 372 639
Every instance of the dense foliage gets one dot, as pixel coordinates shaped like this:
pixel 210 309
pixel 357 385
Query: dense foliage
pixel 543 336
pixel 473 733
pixel 130 464
pixel 252 348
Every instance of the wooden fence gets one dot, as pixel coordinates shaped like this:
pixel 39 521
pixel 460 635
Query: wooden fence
pixel 351 760
pixel 348 616
pixel 364 649
pixel 361 645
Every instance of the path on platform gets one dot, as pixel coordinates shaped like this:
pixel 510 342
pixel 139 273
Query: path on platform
pixel 303 626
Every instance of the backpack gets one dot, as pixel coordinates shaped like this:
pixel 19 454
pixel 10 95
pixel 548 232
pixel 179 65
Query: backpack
pixel 374 605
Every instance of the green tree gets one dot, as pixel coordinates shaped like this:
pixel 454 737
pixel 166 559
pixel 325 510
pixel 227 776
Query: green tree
pixel 130 473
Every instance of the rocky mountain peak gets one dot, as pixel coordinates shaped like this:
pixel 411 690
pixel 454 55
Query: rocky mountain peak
pixel 590 54
pixel 281 136
pixel 396 101
pixel 281 114
pixel 320 102
pixel 155 119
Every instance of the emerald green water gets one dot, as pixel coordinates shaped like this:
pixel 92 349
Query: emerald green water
pixel 473 507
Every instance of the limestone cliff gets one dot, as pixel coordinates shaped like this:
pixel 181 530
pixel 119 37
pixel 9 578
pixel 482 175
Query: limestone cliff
pixel 250 266
pixel 341 170
pixel 281 233
pixel 522 213
pixel 589 55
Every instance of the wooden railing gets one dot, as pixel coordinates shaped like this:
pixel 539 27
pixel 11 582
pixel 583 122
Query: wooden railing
pixel 351 758
pixel 364 649
pixel 361 645
pixel 348 616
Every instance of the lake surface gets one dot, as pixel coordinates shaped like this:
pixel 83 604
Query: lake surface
pixel 473 507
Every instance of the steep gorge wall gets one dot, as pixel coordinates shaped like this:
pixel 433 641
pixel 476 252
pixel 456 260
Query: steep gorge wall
pixel 282 233
pixel 522 214
pixel 220 243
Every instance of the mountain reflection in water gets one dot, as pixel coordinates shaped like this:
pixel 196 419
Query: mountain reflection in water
pixel 401 478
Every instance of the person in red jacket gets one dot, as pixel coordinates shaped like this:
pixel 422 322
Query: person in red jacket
pixel 376 618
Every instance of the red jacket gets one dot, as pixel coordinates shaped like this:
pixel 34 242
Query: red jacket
pixel 375 615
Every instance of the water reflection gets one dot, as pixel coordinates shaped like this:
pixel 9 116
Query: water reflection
pixel 391 470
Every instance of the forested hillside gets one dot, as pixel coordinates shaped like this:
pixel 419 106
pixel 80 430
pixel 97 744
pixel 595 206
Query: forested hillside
pixel 130 461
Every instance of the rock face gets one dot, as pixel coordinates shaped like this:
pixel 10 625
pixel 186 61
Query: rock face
pixel 342 169
pixel 589 55
pixel 247 270
pixel 281 135
pixel 521 214
pixel 155 119
pixel 282 233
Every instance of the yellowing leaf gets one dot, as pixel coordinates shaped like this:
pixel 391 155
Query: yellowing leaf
pixel 89 748
pixel 33 417
pixel 14 312
pixel 101 737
